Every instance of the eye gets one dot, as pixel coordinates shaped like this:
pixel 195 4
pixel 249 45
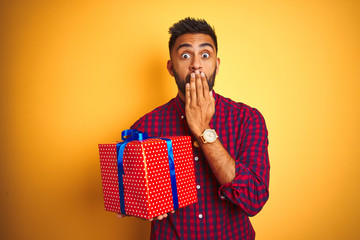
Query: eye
pixel 185 55
pixel 205 55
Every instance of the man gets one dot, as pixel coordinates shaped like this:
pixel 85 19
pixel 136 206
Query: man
pixel 230 143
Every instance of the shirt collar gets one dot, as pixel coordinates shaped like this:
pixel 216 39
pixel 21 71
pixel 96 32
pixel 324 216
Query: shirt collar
pixel 180 105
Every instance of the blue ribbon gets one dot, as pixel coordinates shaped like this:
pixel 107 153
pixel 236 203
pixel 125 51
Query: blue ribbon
pixel 172 172
pixel 135 135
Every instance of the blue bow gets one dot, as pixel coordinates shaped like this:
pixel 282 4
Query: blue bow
pixel 135 135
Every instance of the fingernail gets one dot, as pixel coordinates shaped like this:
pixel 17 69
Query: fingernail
pixel 197 71
pixel 192 75
pixel 202 74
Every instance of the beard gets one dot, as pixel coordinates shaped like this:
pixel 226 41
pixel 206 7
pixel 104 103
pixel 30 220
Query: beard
pixel 182 83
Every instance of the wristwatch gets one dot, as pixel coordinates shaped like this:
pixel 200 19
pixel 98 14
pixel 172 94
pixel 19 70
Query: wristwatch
pixel 208 136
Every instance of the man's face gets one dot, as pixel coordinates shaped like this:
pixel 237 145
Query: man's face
pixel 193 52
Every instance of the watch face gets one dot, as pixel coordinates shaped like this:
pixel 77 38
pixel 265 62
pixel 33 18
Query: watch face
pixel 210 135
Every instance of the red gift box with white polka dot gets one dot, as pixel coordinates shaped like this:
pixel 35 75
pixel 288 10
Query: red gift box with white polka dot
pixel 147 184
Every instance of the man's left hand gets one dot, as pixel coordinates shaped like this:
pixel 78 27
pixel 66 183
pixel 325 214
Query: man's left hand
pixel 161 217
pixel 199 103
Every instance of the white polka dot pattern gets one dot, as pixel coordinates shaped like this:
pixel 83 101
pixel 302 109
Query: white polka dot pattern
pixel 109 176
pixel 147 185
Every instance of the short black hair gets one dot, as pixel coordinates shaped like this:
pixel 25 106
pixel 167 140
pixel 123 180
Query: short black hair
pixel 191 25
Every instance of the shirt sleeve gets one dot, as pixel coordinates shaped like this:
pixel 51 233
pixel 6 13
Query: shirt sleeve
pixel 250 188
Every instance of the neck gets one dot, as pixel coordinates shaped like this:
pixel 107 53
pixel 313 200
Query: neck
pixel 181 95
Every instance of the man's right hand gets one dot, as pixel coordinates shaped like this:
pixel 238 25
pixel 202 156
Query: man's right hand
pixel 161 217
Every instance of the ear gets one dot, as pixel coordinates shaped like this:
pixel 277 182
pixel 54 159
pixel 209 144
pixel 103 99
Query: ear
pixel 170 67
pixel 217 65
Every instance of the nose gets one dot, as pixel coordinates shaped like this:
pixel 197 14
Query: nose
pixel 195 64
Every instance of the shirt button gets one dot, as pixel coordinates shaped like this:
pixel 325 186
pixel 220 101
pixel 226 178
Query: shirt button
pixel 222 196
pixel 197 186
pixel 196 158
pixel 200 215
pixel 182 116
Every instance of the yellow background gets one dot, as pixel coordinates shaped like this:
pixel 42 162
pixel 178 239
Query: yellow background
pixel 77 73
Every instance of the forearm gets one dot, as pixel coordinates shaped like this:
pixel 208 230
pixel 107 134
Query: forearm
pixel 220 162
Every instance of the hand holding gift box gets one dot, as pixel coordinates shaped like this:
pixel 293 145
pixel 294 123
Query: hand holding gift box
pixel 147 177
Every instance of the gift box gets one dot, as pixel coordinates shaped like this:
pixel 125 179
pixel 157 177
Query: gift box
pixel 147 177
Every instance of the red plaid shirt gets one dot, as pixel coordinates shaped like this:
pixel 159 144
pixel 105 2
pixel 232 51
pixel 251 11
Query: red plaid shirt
pixel 222 212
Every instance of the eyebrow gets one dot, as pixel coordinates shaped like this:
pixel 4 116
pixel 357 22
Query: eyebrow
pixel 188 45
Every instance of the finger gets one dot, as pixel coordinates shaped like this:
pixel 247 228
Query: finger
pixel 173 211
pixel 187 94
pixel 119 215
pixel 205 86
pixel 165 215
pixel 160 217
pixel 151 219
pixel 199 87
pixel 192 88
pixel 212 96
